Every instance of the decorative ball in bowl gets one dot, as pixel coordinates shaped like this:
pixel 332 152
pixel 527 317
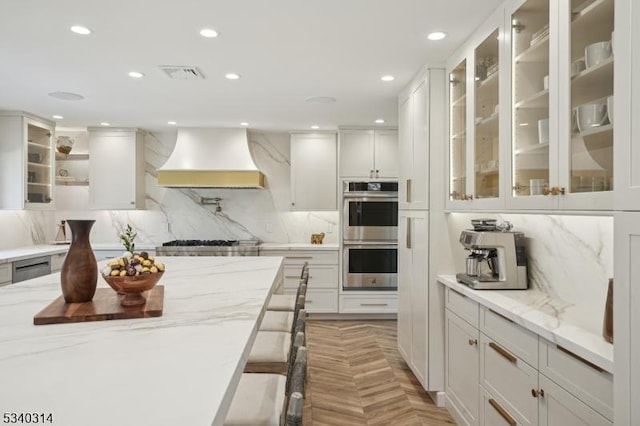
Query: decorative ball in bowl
pixel 131 275
pixel 132 287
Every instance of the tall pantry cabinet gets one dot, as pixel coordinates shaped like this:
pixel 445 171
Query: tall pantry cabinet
pixel 420 314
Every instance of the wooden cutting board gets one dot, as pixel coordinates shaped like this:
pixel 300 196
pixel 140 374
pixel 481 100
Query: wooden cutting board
pixel 104 306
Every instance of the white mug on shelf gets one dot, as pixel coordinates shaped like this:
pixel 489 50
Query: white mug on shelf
pixel 610 108
pixel 543 131
pixel 596 53
pixel 591 115
pixel 545 82
pixel 536 186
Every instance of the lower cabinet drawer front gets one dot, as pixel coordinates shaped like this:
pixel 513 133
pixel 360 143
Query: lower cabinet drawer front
pixel 320 276
pixel 299 257
pixel 322 301
pixel 56 261
pixel 5 273
pixel 511 380
pixel 586 381
pixel 369 305
pixel 520 342
pixel 495 413
pixel 559 407
pixel 462 306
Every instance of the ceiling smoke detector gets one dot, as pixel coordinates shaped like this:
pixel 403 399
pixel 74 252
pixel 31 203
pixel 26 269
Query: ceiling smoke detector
pixel 179 72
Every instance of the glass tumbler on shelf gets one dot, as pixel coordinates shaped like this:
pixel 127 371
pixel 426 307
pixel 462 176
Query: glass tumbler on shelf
pixel 64 144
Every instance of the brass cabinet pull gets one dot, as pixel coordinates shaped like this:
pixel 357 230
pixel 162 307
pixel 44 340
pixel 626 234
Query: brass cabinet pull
pixel 579 358
pixel 409 233
pixel 506 416
pixel 502 351
pixel 408 190
pixel 554 190
pixel 291 276
pixel 473 342
pixel 536 393
pixel 374 304
pixel 298 257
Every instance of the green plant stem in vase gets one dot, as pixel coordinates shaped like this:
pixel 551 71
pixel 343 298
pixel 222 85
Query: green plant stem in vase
pixel 127 239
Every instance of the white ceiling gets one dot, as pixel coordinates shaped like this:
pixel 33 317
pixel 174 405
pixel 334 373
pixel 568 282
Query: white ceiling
pixel 285 50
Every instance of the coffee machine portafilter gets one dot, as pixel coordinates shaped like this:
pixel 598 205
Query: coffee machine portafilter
pixel 498 260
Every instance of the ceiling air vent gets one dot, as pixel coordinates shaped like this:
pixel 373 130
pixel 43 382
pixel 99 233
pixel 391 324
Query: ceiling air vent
pixel 179 72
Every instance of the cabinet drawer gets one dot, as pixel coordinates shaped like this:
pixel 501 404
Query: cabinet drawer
pixel 299 257
pixel 319 301
pixel 510 380
pixel 369 305
pixel 493 412
pixel 320 276
pixel 5 273
pixel 56 261
pixel 586 381
pixel 520 342
pixel 462 306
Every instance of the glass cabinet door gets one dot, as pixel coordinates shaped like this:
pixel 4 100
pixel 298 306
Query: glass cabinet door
pixel 591 115
pixel 530 98
pixel 39 161
pixel 486 116
pixel 458 132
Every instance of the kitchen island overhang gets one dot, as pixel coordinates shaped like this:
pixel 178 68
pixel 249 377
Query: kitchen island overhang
pixel 180 368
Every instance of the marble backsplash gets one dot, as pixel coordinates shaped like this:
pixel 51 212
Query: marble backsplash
pixel 173 213
pixel 570 261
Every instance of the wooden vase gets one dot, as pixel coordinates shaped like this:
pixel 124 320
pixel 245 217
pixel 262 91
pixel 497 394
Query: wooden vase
pixel 79 273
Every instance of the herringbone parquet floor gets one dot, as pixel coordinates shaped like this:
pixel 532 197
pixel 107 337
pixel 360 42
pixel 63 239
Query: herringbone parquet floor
pixel 357 377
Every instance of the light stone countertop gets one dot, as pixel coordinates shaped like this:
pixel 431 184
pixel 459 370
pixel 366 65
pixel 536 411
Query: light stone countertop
pixel 180 368
pixel 298 246
pixel 20 253
pixel 522 307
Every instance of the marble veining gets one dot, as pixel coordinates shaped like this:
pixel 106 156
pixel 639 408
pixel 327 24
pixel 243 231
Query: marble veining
pixel 185 364
pixel 530 310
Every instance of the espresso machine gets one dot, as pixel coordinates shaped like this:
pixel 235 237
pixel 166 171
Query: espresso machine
pixel 498 260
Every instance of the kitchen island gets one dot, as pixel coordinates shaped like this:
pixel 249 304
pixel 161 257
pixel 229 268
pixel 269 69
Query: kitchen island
pixel 180 368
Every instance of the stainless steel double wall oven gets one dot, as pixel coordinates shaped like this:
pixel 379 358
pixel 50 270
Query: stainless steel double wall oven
pixel 370 235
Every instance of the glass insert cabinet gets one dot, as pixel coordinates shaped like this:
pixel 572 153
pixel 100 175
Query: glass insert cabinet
pixel 530 107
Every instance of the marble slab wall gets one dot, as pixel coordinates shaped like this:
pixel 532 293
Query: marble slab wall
pixel 173 213
pixel 570 261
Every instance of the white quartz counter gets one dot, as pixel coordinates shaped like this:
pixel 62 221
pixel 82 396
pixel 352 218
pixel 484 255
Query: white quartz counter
pixel 525 308
pixel 20 253
pixel 297 246
pixel 178 369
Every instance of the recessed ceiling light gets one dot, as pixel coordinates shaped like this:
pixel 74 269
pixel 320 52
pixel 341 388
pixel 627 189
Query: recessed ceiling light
pixel 379 121
pixel 209 33
pixel 314 127
pixel 244 123
pixel 438 35
pixel 104 123
pixel 79 29
pixel 66 96
pixel 173 123
pixel 57 117
pixel 136 74
pixel 232 76
pixel 387 78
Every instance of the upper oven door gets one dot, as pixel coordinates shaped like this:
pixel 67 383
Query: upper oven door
pixel 370 219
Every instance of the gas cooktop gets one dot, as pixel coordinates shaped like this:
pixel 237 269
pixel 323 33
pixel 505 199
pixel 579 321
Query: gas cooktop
pixel 209 248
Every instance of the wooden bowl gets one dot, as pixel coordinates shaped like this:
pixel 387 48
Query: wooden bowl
pixel 132 287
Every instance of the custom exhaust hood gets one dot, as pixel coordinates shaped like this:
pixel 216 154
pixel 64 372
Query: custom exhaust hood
pixel 211 158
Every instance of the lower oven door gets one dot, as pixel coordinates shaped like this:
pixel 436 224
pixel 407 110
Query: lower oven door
pixel 370 267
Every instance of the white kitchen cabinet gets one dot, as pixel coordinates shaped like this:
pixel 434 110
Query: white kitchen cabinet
pixel 417 109
pixel 413 285
pixel 26 162
pixel 462 371
pixel 626 103
pixel 559 408
pixel 116 174
pixel 313 171
pixel 322 287
pixel 72 173
pixel 56 261
pixel 368 153
pixel 6 271
pixel 477 129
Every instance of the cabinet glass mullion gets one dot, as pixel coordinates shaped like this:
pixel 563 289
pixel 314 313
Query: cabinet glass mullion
pixel 486 116
pixel 530 98
pixel 458 132
pixel 591 115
